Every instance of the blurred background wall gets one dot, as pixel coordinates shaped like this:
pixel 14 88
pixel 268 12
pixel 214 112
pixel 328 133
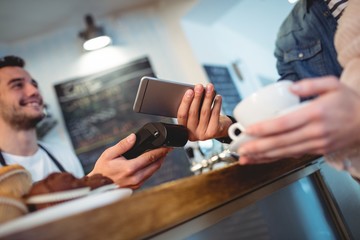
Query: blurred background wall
pixel 177 36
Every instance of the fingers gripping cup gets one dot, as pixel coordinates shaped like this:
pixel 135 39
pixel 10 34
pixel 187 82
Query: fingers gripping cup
pixel 264 104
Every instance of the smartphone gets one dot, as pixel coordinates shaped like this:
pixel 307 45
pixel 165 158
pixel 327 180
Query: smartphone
pixel 159 97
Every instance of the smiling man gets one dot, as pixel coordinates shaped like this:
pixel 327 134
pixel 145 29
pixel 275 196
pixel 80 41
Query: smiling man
pixel 17 110
pixel 22 107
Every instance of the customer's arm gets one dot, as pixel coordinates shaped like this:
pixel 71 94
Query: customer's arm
pixel 326 124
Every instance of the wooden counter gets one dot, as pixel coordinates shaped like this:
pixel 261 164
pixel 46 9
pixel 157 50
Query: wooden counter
pixel 177 208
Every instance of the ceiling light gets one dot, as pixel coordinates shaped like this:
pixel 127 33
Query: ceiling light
pixel 94 36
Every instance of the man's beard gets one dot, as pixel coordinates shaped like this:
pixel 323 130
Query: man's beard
pixel 18 120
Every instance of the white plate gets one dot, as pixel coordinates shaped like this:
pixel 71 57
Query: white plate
pixel 105 188
pixel 59 196
pixel 62 210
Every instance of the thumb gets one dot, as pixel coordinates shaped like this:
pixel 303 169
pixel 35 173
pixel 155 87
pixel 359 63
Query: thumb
pixel 315 86
pixel 121 147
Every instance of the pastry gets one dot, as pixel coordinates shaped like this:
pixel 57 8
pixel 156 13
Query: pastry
pixel 96 181
pixel 54 189
pixel 11 208
pixel 15 180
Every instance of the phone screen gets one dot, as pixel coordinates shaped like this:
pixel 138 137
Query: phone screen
pixel 159 97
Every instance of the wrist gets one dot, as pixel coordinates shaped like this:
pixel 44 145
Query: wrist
pixel 225 122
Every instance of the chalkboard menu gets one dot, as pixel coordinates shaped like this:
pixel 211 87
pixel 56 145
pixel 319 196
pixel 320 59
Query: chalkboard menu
pixel 97 109
pixel 224 85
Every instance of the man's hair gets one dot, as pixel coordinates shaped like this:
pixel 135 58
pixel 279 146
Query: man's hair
pixel 11 61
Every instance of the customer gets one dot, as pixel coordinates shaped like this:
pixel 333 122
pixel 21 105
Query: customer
pixel 305 42
pixel 303 50
pixel 21 108
pixel 314 128
pixel 329 124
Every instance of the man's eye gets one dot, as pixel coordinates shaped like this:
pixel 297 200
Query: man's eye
pixel 17 85
pixel 34 83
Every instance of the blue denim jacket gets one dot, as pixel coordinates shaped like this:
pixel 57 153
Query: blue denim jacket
pixel 305 42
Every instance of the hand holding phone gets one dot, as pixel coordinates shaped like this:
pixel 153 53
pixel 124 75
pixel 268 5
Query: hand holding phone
pixel 159 97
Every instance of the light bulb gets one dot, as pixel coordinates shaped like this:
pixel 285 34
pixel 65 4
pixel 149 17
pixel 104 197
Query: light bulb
pixel 96 43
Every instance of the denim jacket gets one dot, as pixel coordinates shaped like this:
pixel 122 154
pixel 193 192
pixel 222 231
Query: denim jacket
pixel 305 42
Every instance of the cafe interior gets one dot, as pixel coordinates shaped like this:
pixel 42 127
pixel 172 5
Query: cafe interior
pixel 199 192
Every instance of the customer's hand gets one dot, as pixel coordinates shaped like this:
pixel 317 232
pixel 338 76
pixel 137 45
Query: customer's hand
pixel 201 114
pixel 129 173
pixel 328 123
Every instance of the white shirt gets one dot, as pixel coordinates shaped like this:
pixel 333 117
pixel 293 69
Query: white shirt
pixel 40 164
pixel 336 7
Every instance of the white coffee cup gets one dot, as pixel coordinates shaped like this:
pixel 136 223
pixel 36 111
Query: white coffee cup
pixel 266 103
